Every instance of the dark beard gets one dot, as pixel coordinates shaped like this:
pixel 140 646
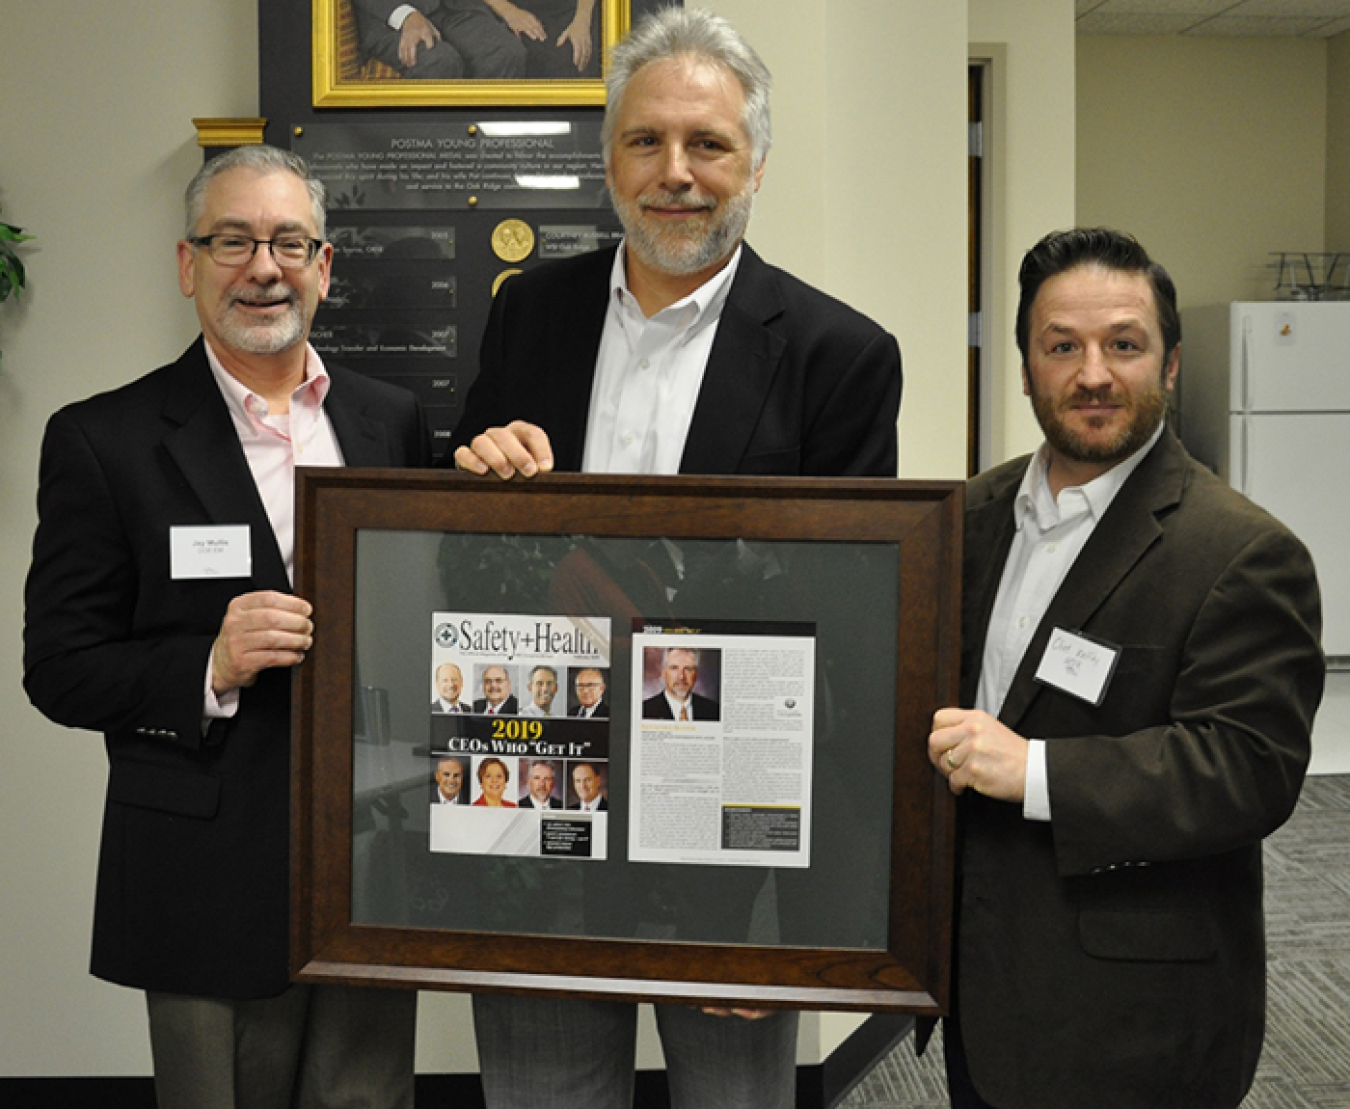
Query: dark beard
pixel 1146 412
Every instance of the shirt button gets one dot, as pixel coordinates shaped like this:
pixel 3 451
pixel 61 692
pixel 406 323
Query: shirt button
pixel 645 364
pixel 626 438
pixel 1051 548
pixel 1022 621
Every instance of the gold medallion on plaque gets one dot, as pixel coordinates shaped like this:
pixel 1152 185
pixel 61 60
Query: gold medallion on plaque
pixel 512 240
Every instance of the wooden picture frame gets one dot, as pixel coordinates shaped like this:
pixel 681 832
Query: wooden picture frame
pixel 877 797
pixel 345 77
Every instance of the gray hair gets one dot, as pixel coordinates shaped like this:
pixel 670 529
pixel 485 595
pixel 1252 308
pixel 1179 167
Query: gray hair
pixel 261 159
pixel 699 35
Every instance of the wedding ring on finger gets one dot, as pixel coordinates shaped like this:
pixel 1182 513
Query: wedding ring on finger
pixel 948 757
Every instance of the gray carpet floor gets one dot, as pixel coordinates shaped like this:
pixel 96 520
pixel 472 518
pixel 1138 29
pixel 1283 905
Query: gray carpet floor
pixel 1306 1061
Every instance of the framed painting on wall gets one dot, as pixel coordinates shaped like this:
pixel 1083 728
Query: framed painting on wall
pixel 463 53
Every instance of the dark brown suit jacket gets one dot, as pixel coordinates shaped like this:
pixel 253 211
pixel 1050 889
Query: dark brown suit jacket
pixel 1116 956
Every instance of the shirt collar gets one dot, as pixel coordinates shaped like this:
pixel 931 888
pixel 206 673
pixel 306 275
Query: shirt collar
pixel 249 410
pixel 693 313
pixel 1035 501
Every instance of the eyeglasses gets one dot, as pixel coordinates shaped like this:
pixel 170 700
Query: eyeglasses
pixel 238 250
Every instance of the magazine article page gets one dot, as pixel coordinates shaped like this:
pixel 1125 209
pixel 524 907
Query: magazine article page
pixel 520 728
pixel 722 743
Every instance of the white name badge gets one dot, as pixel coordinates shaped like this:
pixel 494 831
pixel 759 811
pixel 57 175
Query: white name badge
pixel 1077 665
pixel 213 551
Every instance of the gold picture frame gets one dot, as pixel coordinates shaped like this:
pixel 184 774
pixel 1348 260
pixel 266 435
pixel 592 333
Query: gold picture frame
pixel 342 79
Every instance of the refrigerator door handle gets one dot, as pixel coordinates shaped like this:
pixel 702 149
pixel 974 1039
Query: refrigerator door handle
pixel 1244 374
pixel 1241 453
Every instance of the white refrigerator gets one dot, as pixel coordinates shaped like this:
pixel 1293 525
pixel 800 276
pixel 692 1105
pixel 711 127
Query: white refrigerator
pixel 1265 401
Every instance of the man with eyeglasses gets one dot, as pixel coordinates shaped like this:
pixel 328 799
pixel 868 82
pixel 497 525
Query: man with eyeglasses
pixel 160 612
pixel 590 687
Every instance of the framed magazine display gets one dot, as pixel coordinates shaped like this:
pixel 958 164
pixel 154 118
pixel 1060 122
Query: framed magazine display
pixel 629 737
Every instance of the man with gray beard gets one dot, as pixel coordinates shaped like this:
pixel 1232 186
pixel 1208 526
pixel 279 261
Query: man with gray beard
pixel 679 352
pixel 159 611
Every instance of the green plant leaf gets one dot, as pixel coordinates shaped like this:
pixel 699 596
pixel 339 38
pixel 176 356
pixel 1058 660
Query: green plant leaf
pixel 12 276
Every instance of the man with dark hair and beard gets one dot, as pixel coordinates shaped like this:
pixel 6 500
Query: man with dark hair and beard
pixel 679 352
pixel 1140 648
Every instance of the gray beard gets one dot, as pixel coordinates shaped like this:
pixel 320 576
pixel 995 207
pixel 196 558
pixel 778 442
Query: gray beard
pixel 678 254
pixel 269 338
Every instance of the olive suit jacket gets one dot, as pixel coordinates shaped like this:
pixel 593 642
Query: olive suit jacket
pixel 192 875
pixel 1115 956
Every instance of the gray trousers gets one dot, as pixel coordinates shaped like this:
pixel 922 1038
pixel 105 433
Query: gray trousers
pixel 569 1053
pixel 313 1047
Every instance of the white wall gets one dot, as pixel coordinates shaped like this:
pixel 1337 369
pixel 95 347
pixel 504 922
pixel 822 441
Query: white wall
pixel 865 190
pixel 1212 151
pixel 864 196
pixel 1215 152
pixel 1338 143
pixel 1030 141
pixel 96 145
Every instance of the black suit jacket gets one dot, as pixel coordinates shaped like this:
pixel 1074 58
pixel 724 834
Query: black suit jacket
pixel 601 711
pixel 601 806
pixel 797 383
pixel 658 708
pixel 527 802
pixel 1115 956
pixel 192 878
pixel 510 707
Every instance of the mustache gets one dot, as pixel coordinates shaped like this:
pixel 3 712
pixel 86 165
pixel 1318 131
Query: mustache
pixel 1103 394
pixel 268 294
pixel 689 202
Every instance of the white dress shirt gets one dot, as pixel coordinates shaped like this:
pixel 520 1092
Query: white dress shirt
pixel 1051 532
pixel 676 707
pixel 647 375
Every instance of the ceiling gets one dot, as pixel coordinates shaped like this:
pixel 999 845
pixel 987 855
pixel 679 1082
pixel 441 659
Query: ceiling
pixel 1293 18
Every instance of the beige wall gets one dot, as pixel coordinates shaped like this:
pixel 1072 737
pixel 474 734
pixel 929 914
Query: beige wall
pixel 1338 143
pixel 1029 47
pixel 864 196
pixel 96 144
pixel 1212 151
